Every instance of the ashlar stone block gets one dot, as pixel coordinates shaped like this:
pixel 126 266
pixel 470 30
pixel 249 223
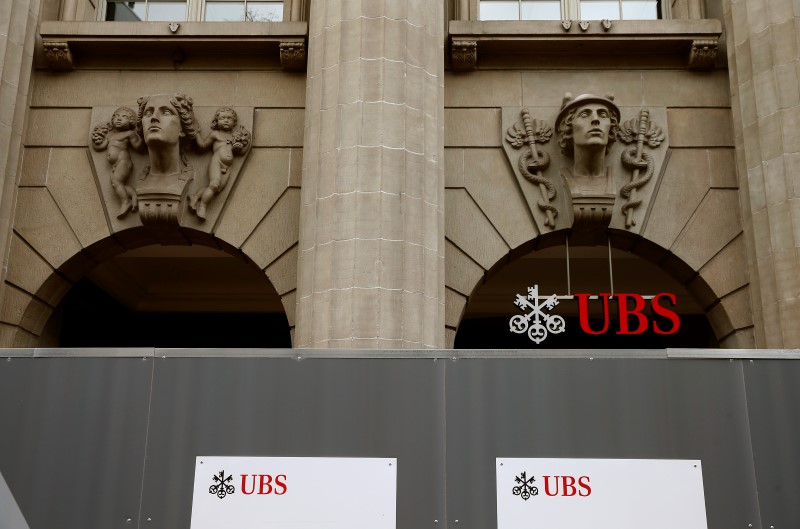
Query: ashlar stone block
pixel 277 232
pixel 282 273
pixel 492 185
pixel 455 304
pixel 71 183
pixel 716 223
pixel 483 89
pixel 20 308
pixel 34 167
pixel 727 271
pixel 40 223
pixel 682 189
pixel 29 272
pixel 462 130
pixel 261 182
pixel 696 127
pixel 70 131
pixel 278 127
pixel 81 88
pixel 468 228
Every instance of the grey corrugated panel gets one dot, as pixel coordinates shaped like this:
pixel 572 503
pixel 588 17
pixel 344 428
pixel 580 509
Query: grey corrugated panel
pixel 615 408
pixel 73 442
pixel 319 407
pixel 773 402
pixel 10 515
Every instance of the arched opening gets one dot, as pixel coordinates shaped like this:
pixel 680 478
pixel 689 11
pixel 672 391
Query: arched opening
pixel 564 271
pixel 190 296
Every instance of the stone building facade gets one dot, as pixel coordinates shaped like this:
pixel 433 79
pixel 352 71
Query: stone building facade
pixel 381 190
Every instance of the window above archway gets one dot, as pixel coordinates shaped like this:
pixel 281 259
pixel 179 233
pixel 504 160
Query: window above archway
pixel 203 10
pixel 570 9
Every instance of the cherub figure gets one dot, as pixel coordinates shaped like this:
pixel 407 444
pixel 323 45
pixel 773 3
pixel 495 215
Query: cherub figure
pixel 227 138
pixel 118 136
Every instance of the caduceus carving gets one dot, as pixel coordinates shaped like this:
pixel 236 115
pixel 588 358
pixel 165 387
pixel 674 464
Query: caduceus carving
pixel 532 162
pixel 641 131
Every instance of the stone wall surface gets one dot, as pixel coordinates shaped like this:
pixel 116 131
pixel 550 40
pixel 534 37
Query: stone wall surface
pixel 692 228
pixel 763 56
pixel 64 225
pixel 18 19
pixel 382 138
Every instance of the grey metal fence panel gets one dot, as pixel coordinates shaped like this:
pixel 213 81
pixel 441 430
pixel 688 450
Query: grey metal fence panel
pixel 773 402
pixel 285 407
pixel 73 428
pixel 73 442
pixel 649 409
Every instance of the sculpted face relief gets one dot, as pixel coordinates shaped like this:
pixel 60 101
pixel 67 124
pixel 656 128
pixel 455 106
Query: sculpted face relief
pixel 160 122
pixel 591 125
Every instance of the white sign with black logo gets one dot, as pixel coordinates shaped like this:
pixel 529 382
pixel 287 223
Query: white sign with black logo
pixel 600 493
pixel 296 492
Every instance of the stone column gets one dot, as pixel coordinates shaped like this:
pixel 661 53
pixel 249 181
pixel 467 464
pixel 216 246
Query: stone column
pixel 18 19
pixel 371 264
pixel 763 57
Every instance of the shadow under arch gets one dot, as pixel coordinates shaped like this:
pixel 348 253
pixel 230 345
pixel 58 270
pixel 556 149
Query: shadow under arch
pixel 138 288
pixel 484 318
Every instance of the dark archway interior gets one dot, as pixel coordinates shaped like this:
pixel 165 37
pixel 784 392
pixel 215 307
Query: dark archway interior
pixel 170 296
pixel 592 270
pixel 89 317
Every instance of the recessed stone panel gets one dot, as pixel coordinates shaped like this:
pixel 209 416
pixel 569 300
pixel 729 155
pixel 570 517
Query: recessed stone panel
pixel 495 88
pixel 58 127
pixel 473 127
pixel 81 88
pixel 685 88
pixel 700 127
pixel 278 127
pixel 548 88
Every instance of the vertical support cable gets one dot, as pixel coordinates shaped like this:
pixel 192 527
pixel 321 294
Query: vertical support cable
pixel 569 285
pixel 610 267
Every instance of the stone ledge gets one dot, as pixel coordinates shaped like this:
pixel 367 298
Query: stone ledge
pixel 695 40
pixel 65 43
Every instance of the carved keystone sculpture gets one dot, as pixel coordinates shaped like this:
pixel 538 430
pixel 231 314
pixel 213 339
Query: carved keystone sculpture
pixel 591 190
pixel 587 127
pixel 163 145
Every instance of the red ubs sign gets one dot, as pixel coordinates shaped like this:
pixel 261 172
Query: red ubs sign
pixel 263 484
pixel 567 486
pixel 539 323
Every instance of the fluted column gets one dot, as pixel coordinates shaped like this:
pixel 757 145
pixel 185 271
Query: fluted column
pixel 371 263
pixel 18 20
pixel 763 57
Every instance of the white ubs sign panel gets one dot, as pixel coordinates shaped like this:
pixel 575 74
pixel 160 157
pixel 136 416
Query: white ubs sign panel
pixel 600 493
pixel 296 492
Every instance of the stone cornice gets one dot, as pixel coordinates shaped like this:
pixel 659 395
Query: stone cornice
pixel 694 40
pixel 83 40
